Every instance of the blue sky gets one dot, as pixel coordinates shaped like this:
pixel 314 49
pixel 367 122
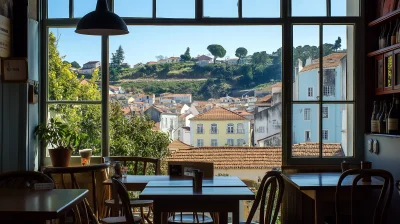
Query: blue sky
pixel 145 42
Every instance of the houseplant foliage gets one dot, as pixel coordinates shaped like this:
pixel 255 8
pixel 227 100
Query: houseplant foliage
pixel 62 140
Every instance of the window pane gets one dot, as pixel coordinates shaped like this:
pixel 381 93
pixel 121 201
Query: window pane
pixel 58 9
pixel 221 8
pixel 345 7
pixel 305 53
pixel 261 8
pixel 134 8
pixel 338 62
pixel 337 130
pixel 305 130
pixel 67 52
pixel 82 8
pixel 309 7
pixel 85 119
pixel 175 9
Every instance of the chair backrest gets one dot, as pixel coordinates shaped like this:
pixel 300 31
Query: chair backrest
pixel 398 186
pixel 267 198
pixel 178 168
pixel 22 179
pixel 384 199
pixel 124 196
pixel 138 164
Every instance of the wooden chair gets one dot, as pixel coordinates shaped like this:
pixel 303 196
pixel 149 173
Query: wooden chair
pixel 126 205
pixel 140 166
pixel 266 199
pixel 22 179
pixel 382 204
pixel 176 169
pixel 398 186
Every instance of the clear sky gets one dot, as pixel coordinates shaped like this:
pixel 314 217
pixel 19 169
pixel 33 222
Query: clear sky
pixel 145 42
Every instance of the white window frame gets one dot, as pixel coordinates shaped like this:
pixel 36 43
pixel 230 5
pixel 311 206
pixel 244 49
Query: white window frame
pixel 214 129
pixel 329 90
pixel 230 142
pixel 305 136
pixel 325 135
pixel 240 128
pixel 230 128
pixel 214 142
pixel 310 92
pixel 325 112
pixel 240 142
pixel 200 129
pixel 307 116
pixel 200 142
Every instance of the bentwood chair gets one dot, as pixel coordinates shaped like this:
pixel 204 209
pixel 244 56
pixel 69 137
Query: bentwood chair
pixel 125 201
pixel 22 179
pixel 379 209
pixel 268 199
pixel 398 186
pixel 139 166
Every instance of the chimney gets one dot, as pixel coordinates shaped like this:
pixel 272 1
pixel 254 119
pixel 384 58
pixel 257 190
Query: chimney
pixel 308 61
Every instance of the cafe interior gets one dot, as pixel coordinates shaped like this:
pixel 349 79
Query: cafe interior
pixel 47 107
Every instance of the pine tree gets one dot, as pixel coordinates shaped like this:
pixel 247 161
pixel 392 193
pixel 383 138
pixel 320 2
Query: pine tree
pixel 186 56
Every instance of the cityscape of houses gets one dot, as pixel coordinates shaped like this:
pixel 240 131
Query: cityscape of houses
pixel 253 119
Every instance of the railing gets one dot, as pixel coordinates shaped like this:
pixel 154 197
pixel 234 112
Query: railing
pixel 214 131
pixel 230 131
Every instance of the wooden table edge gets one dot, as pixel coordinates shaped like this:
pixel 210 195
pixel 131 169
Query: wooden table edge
pixel 76 201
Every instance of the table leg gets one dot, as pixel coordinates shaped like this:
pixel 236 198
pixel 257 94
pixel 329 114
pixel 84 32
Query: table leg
pixel 156 214
pixel 223 217
pixel 319 216
pixel 236 213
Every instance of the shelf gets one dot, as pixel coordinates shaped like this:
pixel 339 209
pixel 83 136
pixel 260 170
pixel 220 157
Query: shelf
pixel 385 18
pixel 384 135
pixel 384 50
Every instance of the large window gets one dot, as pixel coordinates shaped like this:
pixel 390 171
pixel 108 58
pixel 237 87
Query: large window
pixel 167 61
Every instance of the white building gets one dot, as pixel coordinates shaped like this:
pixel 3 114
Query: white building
pixel 169 123
pixel 203 60
pixel 89 67
pixel 150 99
pixel 175 98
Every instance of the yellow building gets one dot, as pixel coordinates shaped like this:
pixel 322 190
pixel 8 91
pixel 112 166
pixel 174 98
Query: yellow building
pixel 219 127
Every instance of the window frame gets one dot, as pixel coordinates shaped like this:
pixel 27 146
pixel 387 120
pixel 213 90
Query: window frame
pixel 286 21
pixel 310 92
pixel 230 128
pixel 201 127
pixel 309 135
pixel 327 112
pixel 325 138
pixel 215 126
pixel 214 140
pixel 307 116
pixel 200 140
pixel 230 140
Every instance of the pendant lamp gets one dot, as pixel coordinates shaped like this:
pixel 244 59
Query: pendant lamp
pixel 101 22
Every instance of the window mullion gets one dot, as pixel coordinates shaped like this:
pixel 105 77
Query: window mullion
pixel 71 9
pixel 320 92
pixel 105 82
pixel 154 9
pixel 240 9
pixel 328 8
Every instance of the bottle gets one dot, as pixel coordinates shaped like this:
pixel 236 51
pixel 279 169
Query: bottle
pixel 393 118
pixel 387 117
pixel 378 115
pixel 382 120
pixel 374 122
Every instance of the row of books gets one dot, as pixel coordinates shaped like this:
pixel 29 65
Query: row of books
pixel 387 6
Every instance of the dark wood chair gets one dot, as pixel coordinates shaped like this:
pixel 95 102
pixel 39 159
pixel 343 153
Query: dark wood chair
pixel 126 205
pixel 379 210
pixel 22 179
pixel 139 166
pixel 268 199
pixel 398 186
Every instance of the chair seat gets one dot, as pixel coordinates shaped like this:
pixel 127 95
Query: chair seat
pixel 119 219
pixel 134 203
pixel 189 218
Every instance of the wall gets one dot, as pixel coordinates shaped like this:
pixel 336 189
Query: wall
pixel 388 159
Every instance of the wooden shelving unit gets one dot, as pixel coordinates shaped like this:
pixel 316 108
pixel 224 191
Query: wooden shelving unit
pixel 393 15
pixel 384 135
pixel 383 50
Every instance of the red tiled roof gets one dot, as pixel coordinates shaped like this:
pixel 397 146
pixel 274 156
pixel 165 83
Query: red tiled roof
pixel 177 144
pixel 311 149
pixel 265 99
pixel 329 61
pixel 219 113
pixel 278 84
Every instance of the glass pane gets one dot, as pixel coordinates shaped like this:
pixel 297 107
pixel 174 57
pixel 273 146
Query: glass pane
pixel 345 7
pixel 175 9
pixel 306 67
pixel 85 119
pixel 82 8
pixel 74 64
pixel 261 8
pixel 337 130
pixel 58 9
pixel 303 7
pixel 221 8
pixel 305 130
pixel 134 8
pixel 338 62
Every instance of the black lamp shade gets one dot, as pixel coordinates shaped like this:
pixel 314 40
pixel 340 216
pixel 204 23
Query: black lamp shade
pixel 101 22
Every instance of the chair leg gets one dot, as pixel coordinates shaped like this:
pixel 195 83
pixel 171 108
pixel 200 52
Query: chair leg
pixel 142 215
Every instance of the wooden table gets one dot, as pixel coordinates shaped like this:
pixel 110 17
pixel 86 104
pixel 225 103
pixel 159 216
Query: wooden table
pixel 138 182
pixel 30 206
pixel 321 187
pixel 215 182
pixel 183 199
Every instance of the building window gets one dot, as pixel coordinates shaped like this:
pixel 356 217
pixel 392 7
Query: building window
pixel 307 114
pixel 325 112
pixel 240 128
pixel 214 142
pixel 240 142
pixel 200 129
pixel 230 129
pixel 171 123
pixel 325 135
pixel 275 124
pixel 179 134
pixel 166 123
pixel 307 136
pixel 261 129
pixel 200 142
pixel 230 142
pixel 329 90
pixel 214 129
pixel 310 92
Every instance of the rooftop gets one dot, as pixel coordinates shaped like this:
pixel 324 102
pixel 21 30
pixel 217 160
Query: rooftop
pixel 219 113
pixel 329 61
pixel 311 149
pixel 177 144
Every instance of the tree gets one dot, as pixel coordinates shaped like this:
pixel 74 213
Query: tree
pixel 247 72
pixel 217 51
pixel 259 58
pixel 115 66
pixel 160 57
pixel 338 44
pixel 186 56
pixel 75 64
pixel 241 52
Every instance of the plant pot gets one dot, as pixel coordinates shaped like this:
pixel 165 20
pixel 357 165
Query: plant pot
pixel 60 157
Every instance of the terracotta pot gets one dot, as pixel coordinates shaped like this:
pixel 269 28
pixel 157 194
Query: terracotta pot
pixel 60 157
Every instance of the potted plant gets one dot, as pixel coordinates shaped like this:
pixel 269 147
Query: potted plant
pixel 62 140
